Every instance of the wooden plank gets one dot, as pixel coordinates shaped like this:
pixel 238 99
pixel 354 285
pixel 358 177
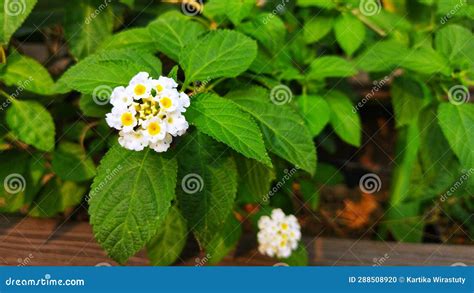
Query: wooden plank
pixel 52 242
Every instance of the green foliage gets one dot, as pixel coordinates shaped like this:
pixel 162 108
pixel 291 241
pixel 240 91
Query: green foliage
pixel 12 16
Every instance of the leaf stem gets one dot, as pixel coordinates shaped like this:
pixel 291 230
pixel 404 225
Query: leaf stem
pixel 6 95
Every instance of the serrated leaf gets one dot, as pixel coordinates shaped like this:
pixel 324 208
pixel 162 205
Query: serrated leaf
pixel 26 73
pixel 330 66
pixel 56 197
pixel 237 10
pixel 12 16
pixel 108 69
pixel 166 246
pixel 31 123
pixel 208 186
pixel 456 43
pixel 254 180
pixel 130 198
pixel 84 28
pixel 350 32
pixel 172 31
pixel 382 56
pixel 70 162
pixel 138 39
pixel 426 60
pixel 317 28
pixel 226 123
pixel 270 32
pixel 284 132
pixel 221 53
pixel 344 121
pixel 457 124
pixel 315 111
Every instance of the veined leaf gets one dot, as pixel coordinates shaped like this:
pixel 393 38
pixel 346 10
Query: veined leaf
pixel 315 111
pixel 226 123
pixel 456 43
pixel 85 29
pixel 382 56
pixel 426 60
pixel 225 240
pixel 107 70
pixel 138 39
pixel 166 246
pixel 254 180
pixel 271 33
pixel 345 122
pixel 221 53
pixel 237 10
pixel 317 28
pixel 285 133
pixel 26 73
pixel 172 31
pixel 12 16
pixel 407 99
pixel 130 198
pixel 208 186
pixel 31 123
pixel 350 32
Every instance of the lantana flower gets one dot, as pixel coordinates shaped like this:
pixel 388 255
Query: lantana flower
pixel 278 234
pixel 148 112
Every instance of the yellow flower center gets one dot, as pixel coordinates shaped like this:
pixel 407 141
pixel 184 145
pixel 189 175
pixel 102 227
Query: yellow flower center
pixel 154 128
pixel 127 119
pixel 170 120
pixel 166 102
pixel 147 109
pixel 283 243
pixel 139 89
pixel 284 226
pixel 159 88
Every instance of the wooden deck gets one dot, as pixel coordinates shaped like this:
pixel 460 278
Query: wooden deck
pixel 34 242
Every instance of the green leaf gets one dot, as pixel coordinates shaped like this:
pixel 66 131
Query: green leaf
pixel 70 162
pixel 13 15
pixel 407 99
pixel 457 124
pixel 26 73
pixel 31 123
pixel 317 28
pixel 225 240
pixel 328 4
pixel 330 66
pixel 315 111
pixel 406 222
pixel 208 186
pixel 270 32
pixel 237 10
pixel 456 43
pixel 226 123
pixel 344 120
pixel 426 60
pixel 134 39
pixel 254 180
pixel 284 132
pixel 108 69
pixel 350 32
pixel 166 246
pixel 84 28
pixel 221 53
pixel 382 56
pixel 172 31
pixel 56 197
pixel 130 198
pixel 310 193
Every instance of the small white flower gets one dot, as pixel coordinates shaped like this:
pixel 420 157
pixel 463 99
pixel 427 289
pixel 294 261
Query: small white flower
pixel 184 102
pixel 278 235
pixel 154 129
pixel 163 83
pixel 176 123
pixel 133 140
pixel 122 118
pixel 120 98
pixel 169 100
pixel 139 86
pixel 162 145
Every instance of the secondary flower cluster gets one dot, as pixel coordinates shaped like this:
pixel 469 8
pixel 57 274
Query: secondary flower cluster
pixel 148 112
pixel 279 234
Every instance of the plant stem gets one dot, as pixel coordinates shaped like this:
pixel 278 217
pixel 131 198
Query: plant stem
pixel 6 95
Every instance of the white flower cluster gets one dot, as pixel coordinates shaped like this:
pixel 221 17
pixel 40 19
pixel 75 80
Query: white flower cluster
pixel 279 234
pixel 148 112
